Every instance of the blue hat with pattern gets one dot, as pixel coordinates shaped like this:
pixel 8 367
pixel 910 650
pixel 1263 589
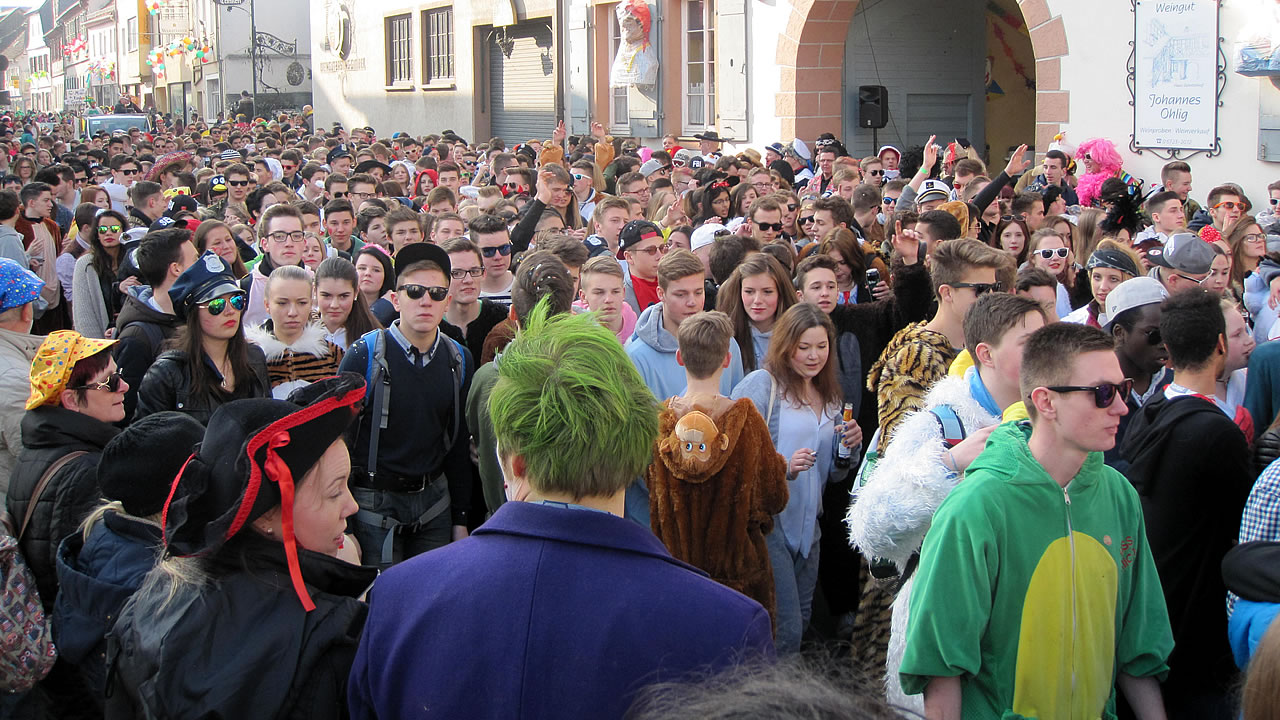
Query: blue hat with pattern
pixel 209 277
pixel 18 285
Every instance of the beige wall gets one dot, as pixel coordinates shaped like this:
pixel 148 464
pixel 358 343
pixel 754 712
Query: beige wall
pixel 1011 117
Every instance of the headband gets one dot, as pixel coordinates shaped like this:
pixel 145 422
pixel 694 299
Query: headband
pixel 1113 259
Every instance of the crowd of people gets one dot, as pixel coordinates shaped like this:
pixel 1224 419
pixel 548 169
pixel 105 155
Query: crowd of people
pixel 318 423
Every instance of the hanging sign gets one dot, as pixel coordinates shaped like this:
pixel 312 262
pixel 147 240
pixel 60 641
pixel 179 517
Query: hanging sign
pixel 1175 74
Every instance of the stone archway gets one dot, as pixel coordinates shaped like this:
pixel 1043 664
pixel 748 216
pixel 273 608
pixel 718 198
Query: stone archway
pixel 810 57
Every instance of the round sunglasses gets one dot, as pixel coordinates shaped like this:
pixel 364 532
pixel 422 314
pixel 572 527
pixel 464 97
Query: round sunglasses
pixel 111 384
pixel 217 306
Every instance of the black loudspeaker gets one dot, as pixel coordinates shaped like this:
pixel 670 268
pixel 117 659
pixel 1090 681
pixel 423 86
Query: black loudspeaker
pixel 873 106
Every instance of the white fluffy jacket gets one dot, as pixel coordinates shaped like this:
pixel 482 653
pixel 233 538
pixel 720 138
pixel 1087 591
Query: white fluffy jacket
pixel 889 516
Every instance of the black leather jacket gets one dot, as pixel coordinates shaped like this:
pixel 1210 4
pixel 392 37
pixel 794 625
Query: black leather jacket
pixel 1266 449
pixel 167 386
pixel 296 665
pixel 48 433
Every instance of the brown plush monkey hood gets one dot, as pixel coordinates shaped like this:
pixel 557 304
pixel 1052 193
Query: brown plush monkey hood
pixel 694 447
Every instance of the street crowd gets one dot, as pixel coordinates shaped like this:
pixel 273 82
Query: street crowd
pixel 302 422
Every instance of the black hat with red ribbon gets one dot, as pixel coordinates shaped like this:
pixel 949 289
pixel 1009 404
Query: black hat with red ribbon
pixel 253 455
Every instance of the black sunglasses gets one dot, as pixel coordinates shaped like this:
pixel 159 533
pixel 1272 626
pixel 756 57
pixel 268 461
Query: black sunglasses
pixel 776 227
pixel 339 195
pixel 1103 395
pixel 217 306
pixel 504 250
pixel 978 289
pixel 415 292
pixel 111 384
pixel 1153 336
pixel 806 220
pixel 238 183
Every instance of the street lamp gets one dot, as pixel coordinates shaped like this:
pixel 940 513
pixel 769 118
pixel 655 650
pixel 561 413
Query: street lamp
pixel 253 43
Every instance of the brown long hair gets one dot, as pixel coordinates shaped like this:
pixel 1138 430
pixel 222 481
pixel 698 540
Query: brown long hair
pixel 1235 240
pixel 1262 684
pixel 842 240
pixel 786 336
pixel 729 301
pixel 202 243
pixel 360 320
pixel 190 340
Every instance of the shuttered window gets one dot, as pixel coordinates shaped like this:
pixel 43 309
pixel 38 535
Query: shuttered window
pixel 699 65
pixel 399 54
pixel 437 40
pixel 619 113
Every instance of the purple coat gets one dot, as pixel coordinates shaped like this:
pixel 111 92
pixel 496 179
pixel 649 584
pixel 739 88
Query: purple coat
pixel 545 612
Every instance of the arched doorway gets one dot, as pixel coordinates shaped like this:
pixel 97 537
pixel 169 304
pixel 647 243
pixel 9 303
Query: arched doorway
pixel 822 42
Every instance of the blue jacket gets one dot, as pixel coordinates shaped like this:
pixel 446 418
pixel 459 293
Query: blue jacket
pixel 1246 627
pixel 653 350
pixel 96 578
pixel 544 612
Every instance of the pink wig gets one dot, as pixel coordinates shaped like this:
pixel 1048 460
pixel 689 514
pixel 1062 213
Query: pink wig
pixel 1103 152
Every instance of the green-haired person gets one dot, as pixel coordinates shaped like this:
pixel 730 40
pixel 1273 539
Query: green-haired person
pixel 556 578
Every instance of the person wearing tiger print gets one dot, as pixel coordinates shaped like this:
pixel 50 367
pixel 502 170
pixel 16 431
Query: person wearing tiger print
pixel 918 355
pixel 297 352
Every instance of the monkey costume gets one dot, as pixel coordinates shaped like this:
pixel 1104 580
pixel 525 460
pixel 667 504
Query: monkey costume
pixel 713 492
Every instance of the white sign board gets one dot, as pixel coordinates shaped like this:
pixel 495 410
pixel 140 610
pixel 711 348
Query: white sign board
pixel 1176 74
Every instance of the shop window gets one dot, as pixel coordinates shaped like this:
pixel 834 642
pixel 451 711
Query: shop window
pixel 699 72
pixel 399 55
pixel 619 113
pixel 437 40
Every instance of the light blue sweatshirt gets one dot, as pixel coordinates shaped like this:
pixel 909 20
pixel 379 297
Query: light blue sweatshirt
pixel 653 350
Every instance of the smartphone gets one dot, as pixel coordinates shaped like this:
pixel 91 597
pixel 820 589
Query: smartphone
pixel 873 278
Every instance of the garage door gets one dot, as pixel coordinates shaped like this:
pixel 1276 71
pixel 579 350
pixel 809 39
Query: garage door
pixel 944 115
pixel 523 86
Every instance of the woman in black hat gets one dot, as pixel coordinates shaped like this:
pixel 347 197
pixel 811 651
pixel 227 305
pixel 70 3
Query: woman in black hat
pixel 252 614
pixel 212 363
pixel 101 566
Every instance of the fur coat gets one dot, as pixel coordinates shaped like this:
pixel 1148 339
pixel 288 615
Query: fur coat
pixel 713 508
pixel 891 514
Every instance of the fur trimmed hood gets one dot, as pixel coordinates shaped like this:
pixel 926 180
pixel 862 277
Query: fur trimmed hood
pixel 890 515
pixel 311 342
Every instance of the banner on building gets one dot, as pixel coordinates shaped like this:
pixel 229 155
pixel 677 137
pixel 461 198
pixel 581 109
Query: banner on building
pixel 1175 74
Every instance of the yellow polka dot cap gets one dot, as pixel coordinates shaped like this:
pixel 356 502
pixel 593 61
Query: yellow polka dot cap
pixel 55 358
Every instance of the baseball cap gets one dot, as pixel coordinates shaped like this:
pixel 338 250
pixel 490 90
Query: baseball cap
pixel 1134 293
pixel 933 190
pixel 705 235
pixel 418 252
pixel 636 232
pixel 18 285
pixel 181 204
pixel 1183 252
pixel 650 167
pixel 683 156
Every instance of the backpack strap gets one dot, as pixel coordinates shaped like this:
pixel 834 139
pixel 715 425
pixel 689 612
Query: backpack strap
pixel 953 432
pixel 458 368
pixel 45 479
pixel 378 383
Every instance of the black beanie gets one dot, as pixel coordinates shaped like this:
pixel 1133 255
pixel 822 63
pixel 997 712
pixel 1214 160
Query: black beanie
pixel 138 465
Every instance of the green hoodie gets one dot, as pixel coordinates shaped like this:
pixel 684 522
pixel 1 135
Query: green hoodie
pixel 1034 596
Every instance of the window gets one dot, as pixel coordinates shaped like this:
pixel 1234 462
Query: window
pixel 399 57
pixel 131 35
pixel 699 65
pixel 619 113
pixel 437 40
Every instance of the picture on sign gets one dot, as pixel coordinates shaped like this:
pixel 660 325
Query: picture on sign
pixel 1175 74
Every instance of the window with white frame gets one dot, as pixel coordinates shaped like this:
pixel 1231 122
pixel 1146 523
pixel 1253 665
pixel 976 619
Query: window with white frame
pixel 437 46
pixel 699 65
pixel 399 30
pixel 131 35
pixel 619 112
